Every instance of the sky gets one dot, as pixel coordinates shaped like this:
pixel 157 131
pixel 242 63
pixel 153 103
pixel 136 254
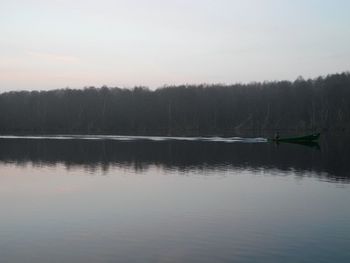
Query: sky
pixel 76 43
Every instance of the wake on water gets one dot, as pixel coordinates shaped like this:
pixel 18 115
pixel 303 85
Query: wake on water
pixel 137 138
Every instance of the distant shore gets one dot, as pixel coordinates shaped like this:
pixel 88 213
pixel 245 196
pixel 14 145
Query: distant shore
pixel 320 104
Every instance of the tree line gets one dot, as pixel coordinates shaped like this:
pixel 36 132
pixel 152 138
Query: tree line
pixel 301 105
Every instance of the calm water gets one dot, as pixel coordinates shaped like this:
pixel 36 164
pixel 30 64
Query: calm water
pixel 127 199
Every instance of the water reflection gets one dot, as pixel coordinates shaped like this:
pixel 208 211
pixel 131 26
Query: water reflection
pixel 330 162
pixel 173 201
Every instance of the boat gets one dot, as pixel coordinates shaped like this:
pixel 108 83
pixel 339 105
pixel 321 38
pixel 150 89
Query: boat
pixel 306 138
pixel 311 144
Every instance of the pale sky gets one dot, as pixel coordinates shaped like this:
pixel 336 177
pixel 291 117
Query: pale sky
pixel 49 44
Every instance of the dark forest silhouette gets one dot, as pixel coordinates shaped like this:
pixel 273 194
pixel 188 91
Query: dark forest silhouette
pixel 315 104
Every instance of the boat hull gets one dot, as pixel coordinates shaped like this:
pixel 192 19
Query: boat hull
pixel 307 138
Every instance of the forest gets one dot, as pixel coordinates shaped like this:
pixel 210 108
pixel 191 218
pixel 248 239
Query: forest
pixel 320 104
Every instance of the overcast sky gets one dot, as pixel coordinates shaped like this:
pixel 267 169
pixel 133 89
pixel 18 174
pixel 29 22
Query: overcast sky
pixel 56 44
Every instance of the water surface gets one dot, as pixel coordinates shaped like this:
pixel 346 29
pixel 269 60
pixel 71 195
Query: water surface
pixel 156 199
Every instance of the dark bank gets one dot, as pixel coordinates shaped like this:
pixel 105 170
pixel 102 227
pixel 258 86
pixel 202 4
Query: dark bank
pixel 298 107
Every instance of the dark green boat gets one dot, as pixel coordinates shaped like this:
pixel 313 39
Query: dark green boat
pixel 307 138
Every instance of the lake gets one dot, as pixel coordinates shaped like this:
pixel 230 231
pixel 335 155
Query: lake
pixel 154 199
